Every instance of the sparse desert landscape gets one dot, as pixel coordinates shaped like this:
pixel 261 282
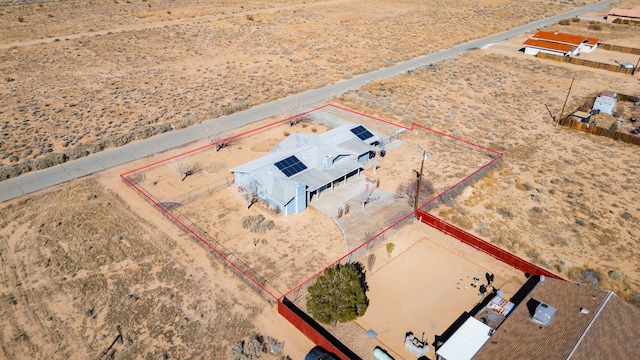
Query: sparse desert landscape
pixel 74 84
pixel 80 260
pixel 79 267
pixel 560 198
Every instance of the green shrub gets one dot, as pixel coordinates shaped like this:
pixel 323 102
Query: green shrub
pixel 339 294
pixel 614 126
pixel 390 248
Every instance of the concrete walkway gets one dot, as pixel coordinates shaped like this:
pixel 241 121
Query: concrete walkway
pixel 93 163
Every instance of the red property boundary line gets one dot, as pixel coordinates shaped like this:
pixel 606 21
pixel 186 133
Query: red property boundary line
pixel 298 318
pixel 421 211
pixel 195 235
pixel 224 140
pixel 413 127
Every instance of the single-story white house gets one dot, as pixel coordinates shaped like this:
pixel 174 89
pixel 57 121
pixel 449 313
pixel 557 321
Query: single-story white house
pixel 534 46
pixel 303 165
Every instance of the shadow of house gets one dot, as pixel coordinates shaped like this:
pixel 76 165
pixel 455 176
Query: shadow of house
pixel 303 165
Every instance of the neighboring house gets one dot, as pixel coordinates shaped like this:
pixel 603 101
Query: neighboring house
pixel 557 43
pixel 534 46
pixel 631 14
pixel 303 165
pixel 554 319
pixel 605 104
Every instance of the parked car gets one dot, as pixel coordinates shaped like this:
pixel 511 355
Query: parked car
pixel 318 353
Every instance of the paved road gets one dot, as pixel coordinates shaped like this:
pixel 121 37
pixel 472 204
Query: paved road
pixel 42 179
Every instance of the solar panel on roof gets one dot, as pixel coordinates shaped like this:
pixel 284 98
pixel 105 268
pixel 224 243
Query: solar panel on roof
pixel 290 166
pixel 361 132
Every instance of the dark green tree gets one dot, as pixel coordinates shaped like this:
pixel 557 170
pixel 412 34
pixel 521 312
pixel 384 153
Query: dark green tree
pixel 339 294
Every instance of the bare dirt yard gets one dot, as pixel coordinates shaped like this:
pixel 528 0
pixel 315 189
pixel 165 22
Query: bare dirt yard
pixel 296 247
pixel 424 285
pixel 80 76
pixel 80 260
pixel 560 198
pixel 79 268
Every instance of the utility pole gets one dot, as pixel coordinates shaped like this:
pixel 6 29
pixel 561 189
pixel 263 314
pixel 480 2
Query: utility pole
pixel 425 156
pixel 565 102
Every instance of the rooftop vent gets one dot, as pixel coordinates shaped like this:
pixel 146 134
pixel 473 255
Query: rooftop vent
pixel 544 314
pixel 328 162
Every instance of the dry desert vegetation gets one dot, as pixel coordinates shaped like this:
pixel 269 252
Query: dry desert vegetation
pixel 291 249
pixel 79 76
pixel 560 198
pixel 89 271
pixel 83 277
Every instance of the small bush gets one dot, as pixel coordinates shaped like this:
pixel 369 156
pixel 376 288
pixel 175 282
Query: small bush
pixel 249 350
pixel 274 346
pixel 564 22
pixel 594 26
pixel 21 18
pixel 390 248
pixel 575 19
pixel 590 276
pixel 614 126
pixel 51 159
pixel 257 223
pixel 371 261
pixel 256 346
pixel 77 152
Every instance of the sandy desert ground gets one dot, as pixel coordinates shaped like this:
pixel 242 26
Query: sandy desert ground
pixel 79 267
pixel 73 84
pixel 96 89
pixel 209 203
pixel 559 198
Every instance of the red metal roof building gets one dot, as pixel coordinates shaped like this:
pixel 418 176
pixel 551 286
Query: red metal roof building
pixel 557 43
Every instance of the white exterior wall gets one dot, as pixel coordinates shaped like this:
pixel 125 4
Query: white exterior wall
pixel 604 107
pixel 534 51
pixel 531 51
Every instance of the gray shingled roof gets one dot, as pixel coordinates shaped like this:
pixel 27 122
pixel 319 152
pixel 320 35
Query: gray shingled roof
pixel 311 149
pixel 609 330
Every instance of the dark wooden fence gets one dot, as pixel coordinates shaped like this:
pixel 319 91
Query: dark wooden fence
pixel 486 247
pixel 618 48
pixel 600 131
pixel 626 21
pixel 314 331
pixel 589 63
